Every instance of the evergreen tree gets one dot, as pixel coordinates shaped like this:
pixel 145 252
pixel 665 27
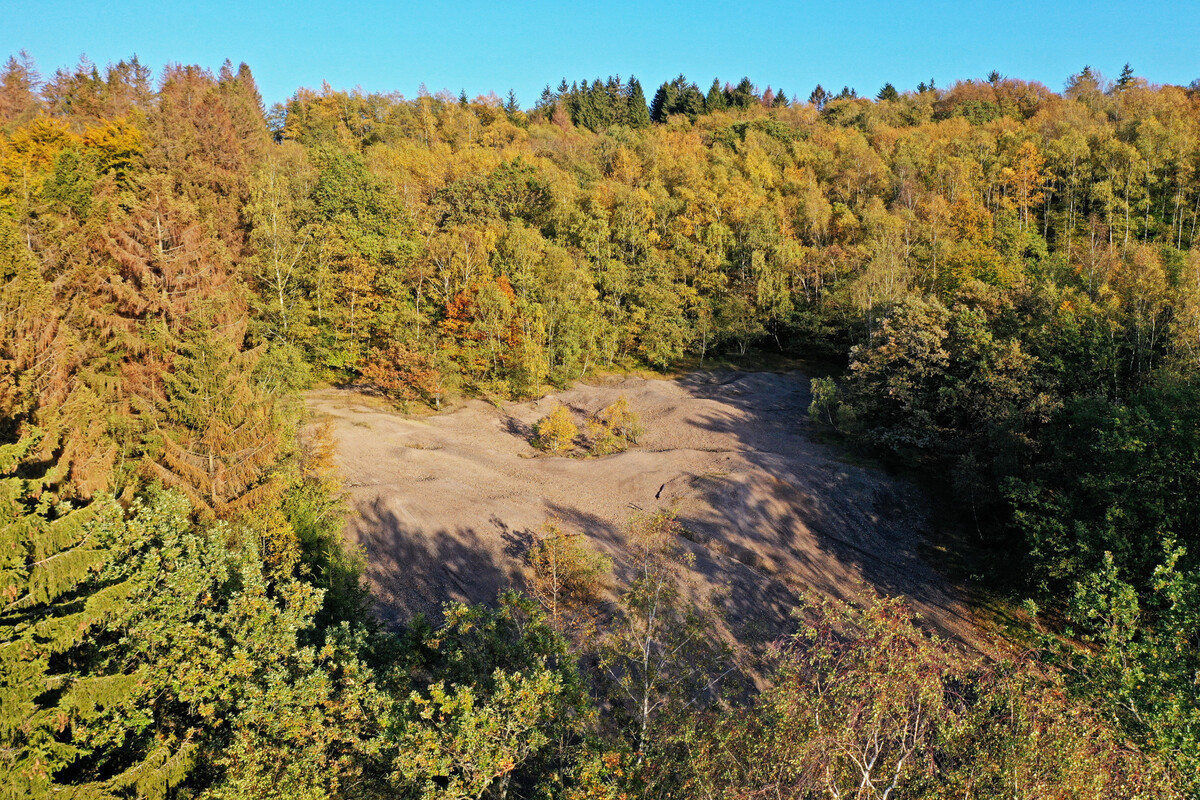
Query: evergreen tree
pixel 781 100
pixel 49 606
pixel 689 101
pixel 743 95
pixel 220 434
pixel 819 98
pixel 547 100
pixel 638 115
pixel 715 99
pixel 663 100
pixel 887 94
pixel 1125 80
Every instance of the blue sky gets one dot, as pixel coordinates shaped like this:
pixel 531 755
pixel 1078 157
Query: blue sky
pixel 482 46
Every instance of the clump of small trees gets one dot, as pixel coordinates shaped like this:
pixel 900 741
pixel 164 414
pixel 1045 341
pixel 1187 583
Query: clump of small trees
pixel 611 430
pixel 614 428
pixel 556 432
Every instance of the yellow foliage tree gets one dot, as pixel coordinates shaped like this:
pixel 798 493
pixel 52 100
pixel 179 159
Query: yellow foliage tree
pixel 555 433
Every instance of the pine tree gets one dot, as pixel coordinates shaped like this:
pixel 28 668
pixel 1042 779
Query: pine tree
pixel 547 99
pixel 781 100
pixel 743 95
pixel 887 94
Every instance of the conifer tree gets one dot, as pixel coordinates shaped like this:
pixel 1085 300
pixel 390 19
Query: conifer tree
pixel 887 93
pixel 47 559
pixel 220 432
pixel 638 115
pixel 663 99
pixel 547 100
pixel 819 98
pixel 18 89
pixel 1125 80
pixel 715 99
pixel 742 95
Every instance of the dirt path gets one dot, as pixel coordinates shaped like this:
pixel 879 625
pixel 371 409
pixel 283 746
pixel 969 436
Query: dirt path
pixel 446 505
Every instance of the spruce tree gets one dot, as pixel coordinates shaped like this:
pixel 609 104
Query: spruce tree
pixel 888 93
pixel 688 100
pixel 743 95
pixel 715 99
pixel 819 98
pixel 638 115
pixel 663 100
pixel 1125 80
pixel 220 432
pixel 49 606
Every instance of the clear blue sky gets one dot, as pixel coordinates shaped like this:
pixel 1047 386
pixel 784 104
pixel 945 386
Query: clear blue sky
pixel 485 45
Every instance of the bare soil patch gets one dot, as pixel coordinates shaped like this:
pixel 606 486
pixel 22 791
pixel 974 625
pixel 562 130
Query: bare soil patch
pixel 446 505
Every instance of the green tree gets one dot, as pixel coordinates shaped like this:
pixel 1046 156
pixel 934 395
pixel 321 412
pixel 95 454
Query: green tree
pixel 638 115
pixel 715 99
pixel 51 606
pixel 659 655
pixel 222 433
pixel 496 704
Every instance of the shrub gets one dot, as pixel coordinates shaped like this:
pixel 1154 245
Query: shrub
pixel 555 433
pixel 614 428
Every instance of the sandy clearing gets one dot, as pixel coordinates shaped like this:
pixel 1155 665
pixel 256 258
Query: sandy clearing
pixel 445 506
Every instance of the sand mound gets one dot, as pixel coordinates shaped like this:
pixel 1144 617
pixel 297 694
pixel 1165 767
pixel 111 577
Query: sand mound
pixel 447 505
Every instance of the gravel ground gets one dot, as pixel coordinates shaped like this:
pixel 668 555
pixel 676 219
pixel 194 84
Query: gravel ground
pixel 446 505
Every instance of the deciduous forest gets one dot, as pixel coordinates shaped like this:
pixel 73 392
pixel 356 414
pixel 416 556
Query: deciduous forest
pixel 1005 278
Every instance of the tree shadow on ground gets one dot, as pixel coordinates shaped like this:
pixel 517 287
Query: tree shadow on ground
pixel 417 571
pixel 807 520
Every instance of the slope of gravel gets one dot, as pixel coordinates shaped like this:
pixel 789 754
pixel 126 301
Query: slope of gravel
pixel 445 506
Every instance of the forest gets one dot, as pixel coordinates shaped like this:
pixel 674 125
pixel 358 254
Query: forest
pixel 1005 280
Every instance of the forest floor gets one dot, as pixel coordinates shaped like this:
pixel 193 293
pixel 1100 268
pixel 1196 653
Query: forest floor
pixel 444 507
